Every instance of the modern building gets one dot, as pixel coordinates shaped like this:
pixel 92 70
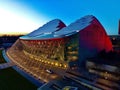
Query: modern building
pixel 55 46
pixel 102 66
pixel 107 71
pixel 115 39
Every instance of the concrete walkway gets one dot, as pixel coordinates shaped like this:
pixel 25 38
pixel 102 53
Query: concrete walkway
pixel 6 65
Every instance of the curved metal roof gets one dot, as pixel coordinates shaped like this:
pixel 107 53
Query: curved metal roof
pixel 51 29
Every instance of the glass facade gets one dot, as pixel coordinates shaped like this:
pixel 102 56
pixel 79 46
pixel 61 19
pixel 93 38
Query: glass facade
pixel 72 48
pixel 57 52
pixel 36 56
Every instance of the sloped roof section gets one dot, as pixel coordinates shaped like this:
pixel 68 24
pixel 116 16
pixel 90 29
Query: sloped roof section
pixel 76 26
pixel 48 28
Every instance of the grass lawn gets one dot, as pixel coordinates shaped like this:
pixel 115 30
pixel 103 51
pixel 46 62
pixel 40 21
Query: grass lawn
pixel 11 80
pixel 1 58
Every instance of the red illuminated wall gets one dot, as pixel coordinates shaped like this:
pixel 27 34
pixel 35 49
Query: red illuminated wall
pixel 93 39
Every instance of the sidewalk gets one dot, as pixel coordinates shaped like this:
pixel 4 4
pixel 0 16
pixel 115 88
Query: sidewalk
pixel 6 65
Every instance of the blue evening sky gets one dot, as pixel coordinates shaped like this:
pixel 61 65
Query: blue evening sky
pixel 23 16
